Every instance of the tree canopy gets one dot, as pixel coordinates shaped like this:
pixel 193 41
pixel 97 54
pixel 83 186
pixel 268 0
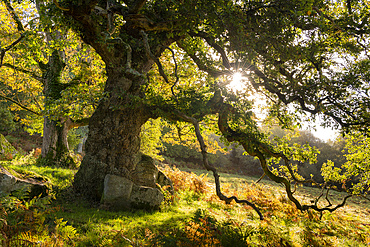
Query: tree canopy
pixel 175 59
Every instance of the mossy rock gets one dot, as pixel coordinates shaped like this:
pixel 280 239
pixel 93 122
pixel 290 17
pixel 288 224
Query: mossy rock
pixel 11 182
pixel 7 151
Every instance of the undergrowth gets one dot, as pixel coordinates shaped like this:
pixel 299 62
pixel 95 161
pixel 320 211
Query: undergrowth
pixel 193 217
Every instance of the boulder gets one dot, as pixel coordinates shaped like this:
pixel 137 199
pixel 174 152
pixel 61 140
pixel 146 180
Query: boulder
pixel 11 182
pixel 147 174
pixel 7 151
pixel 140 188
pixel 141 191
pixel 148 198
pixel 117 192
pixel 121 194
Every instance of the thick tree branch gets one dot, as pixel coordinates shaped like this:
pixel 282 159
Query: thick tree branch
pixel 78 123
pixel 91 31
pixel 128 67
pixel 212 43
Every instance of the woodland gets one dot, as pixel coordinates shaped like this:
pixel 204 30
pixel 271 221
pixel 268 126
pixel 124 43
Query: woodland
pixel 211 95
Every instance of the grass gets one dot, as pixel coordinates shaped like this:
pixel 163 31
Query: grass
pixel 195 218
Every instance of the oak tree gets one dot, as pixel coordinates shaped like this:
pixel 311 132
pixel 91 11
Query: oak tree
pixel 45 70
pixel 308 58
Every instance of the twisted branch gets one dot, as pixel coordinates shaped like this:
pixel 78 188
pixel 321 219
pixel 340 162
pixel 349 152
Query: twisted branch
pixel 254 148
pixel 176 75
pixel 158 63
pixel 206 164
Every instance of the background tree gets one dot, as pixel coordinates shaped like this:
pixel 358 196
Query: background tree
pixel 287 50
pixel 46 71
pixel 354 174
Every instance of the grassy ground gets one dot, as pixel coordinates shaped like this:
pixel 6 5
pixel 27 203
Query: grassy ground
pixel 195 217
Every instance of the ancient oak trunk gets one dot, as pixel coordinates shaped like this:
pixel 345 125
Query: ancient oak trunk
pixel 113 170
pixel 113 163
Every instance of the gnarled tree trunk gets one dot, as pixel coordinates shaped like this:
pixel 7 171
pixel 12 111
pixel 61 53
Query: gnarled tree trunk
pixel 113 144
pixel 113 169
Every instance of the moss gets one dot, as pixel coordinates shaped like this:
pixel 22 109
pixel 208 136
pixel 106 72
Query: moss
pixel 7 151
pixel 64 159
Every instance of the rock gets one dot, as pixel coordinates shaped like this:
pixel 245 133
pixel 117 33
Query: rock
pixel 117 191
pixel 13 182
pixel 121 193
pixel 145 173
pixel 146 198
pixel 7 151
pixel 139 191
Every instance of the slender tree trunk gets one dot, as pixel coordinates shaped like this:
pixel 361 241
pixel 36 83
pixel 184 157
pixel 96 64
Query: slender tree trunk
pixel 55 150
pixel 113 143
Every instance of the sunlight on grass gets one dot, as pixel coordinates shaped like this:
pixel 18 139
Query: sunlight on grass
pixel 196 217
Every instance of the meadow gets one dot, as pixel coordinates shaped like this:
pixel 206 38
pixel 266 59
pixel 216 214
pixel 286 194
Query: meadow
pixel 193 216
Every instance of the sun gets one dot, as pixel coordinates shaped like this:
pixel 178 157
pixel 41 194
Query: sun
pixel 237 82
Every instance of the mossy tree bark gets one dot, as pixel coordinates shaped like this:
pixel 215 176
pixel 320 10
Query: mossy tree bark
pixel 55 148
pixel 113 144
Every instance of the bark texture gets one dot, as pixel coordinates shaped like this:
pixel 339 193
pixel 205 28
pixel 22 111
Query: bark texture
pixel 113 144
pixel 55 147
